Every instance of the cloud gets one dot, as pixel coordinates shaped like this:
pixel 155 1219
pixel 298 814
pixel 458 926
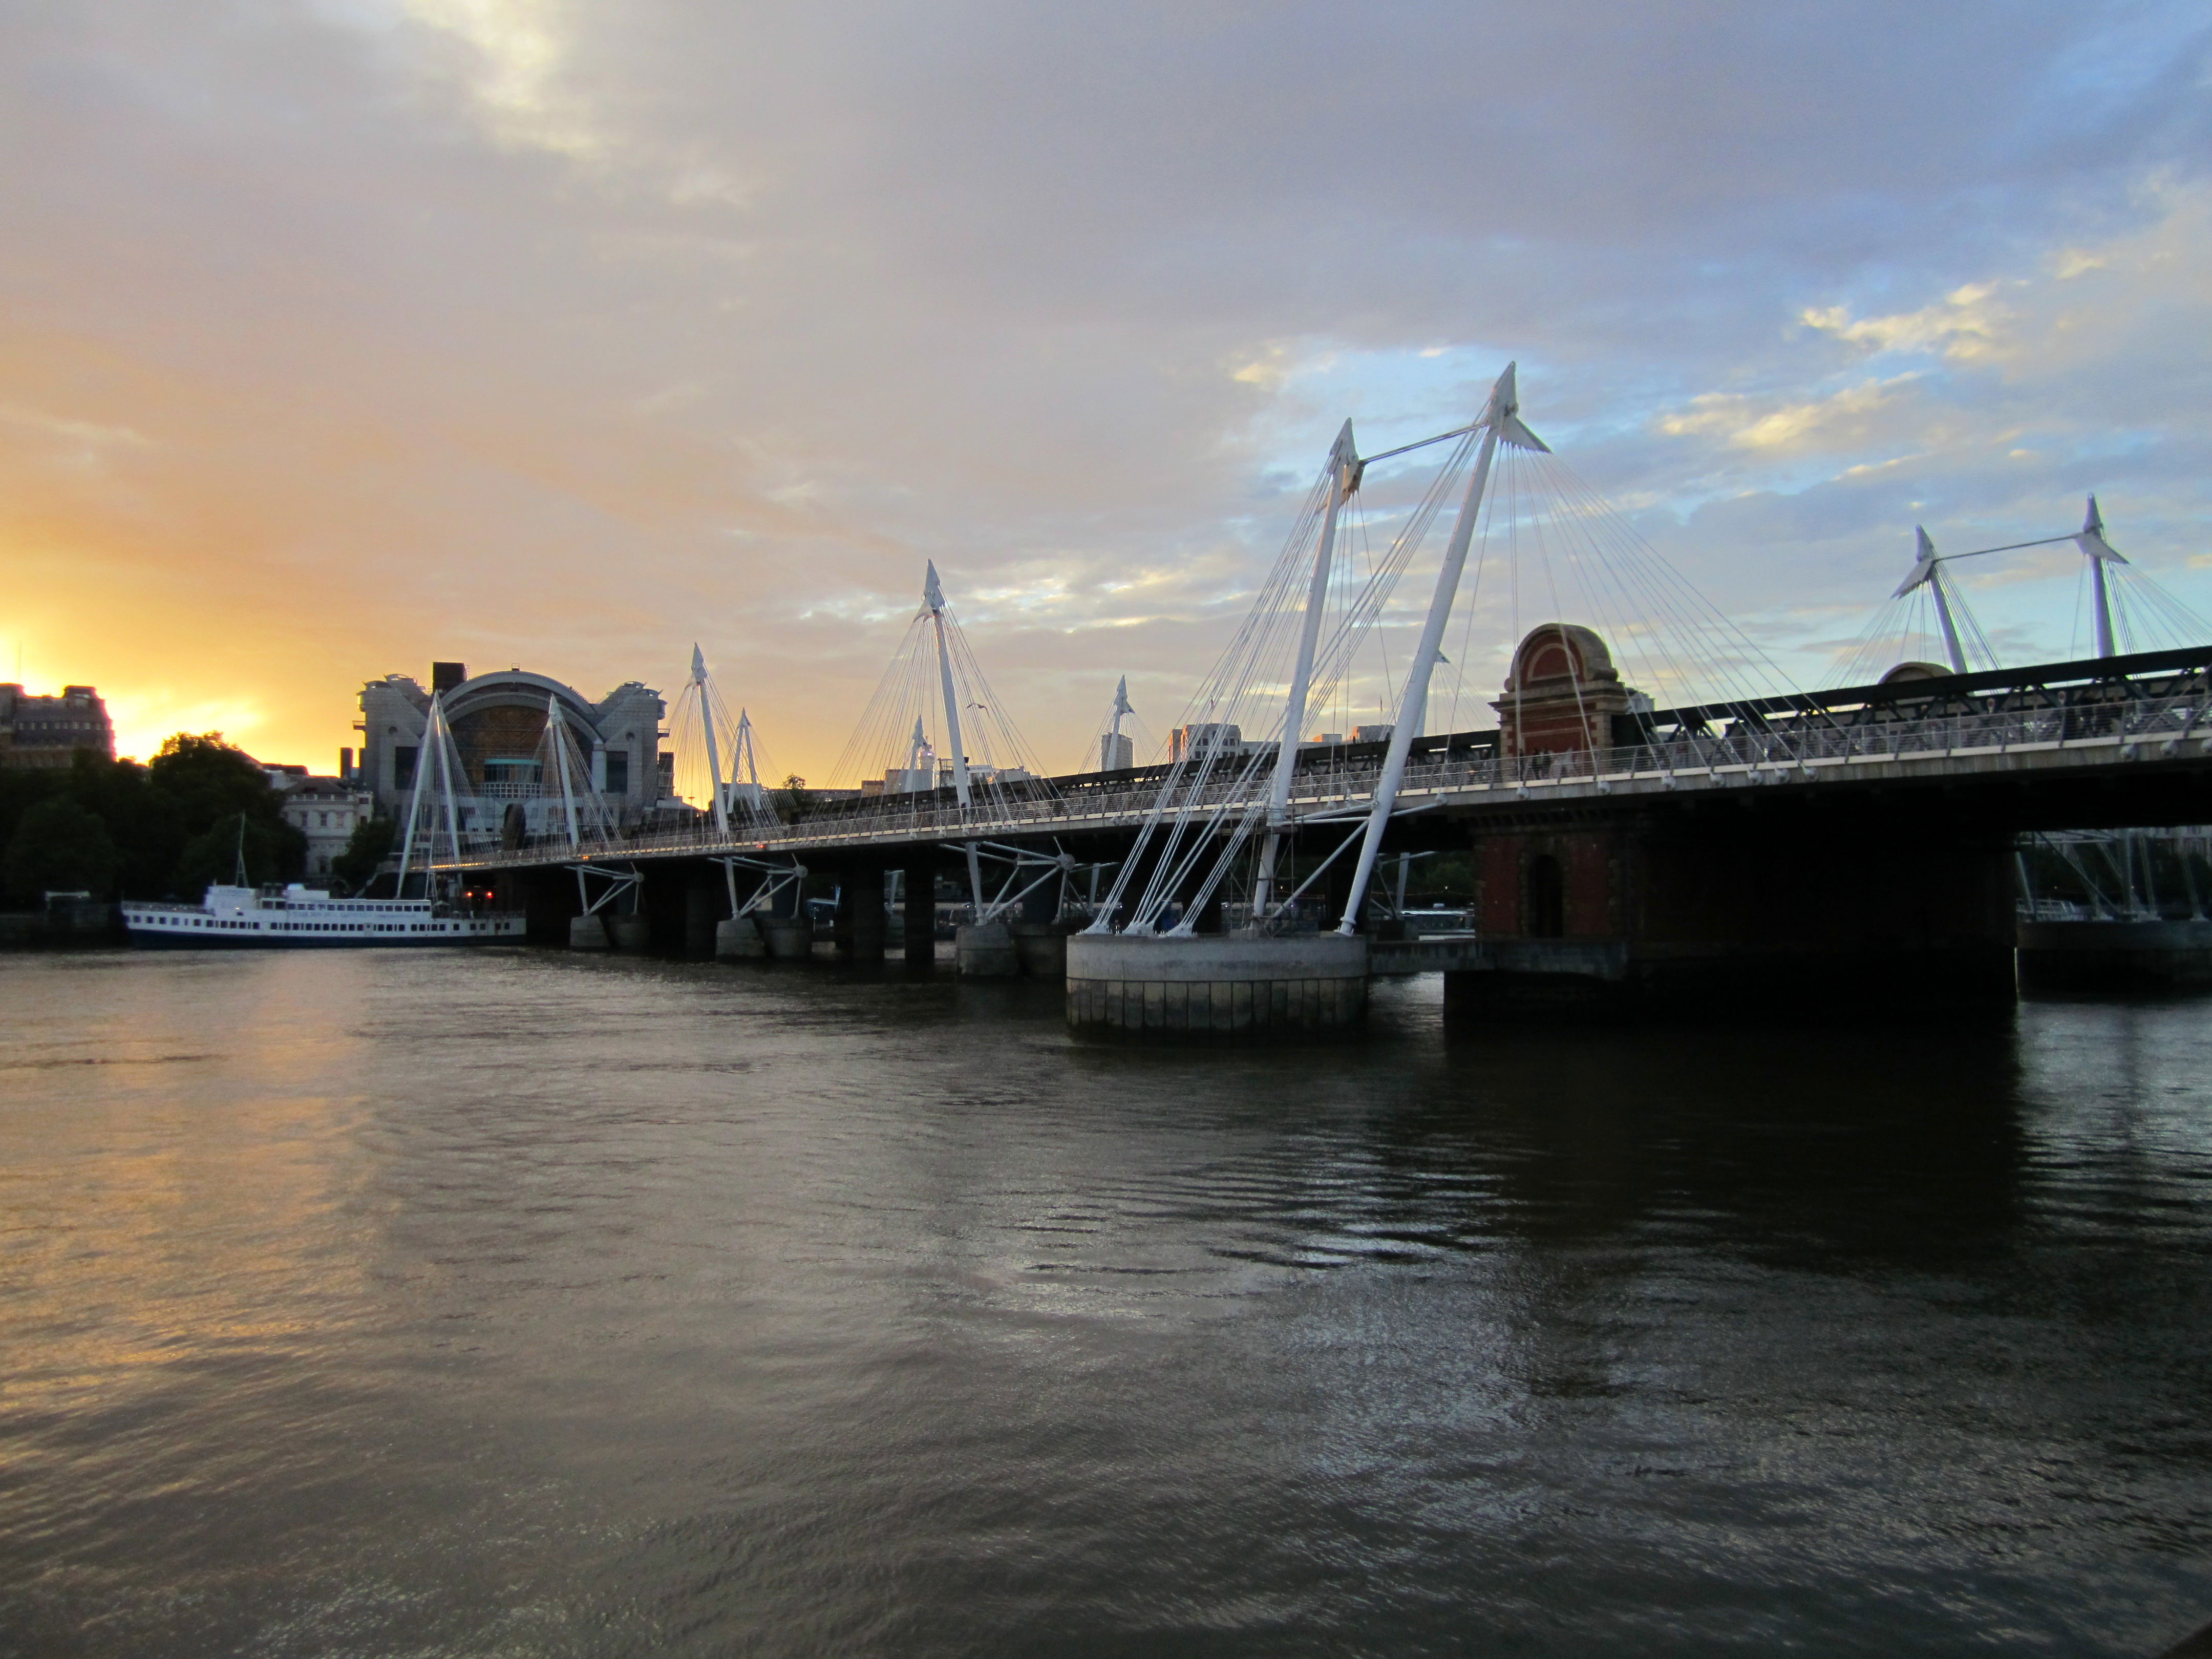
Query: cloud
pixel 542 332
pixel 1961 327
pixel 1844 419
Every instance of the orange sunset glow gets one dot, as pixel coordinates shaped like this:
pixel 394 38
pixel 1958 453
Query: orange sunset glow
pixel 344 338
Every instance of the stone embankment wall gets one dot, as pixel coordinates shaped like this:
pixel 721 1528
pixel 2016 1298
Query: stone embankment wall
pixel 92 922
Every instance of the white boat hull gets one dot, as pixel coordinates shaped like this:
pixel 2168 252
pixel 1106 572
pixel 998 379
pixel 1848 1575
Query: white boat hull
pixel 233 918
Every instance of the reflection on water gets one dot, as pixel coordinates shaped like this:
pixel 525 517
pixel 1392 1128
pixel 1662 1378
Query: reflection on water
pixel 519 1303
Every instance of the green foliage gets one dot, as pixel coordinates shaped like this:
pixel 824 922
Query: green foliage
pixel 211 782
pixel 144 821
pixel 1447 878
pixel 59 847
pixel 275 852
pixel 799 801
pixel 369 845
pixel 166 830
pixel 210 786
pixel 19 793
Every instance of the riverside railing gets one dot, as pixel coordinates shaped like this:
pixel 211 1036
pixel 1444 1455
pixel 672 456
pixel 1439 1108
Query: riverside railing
pixel 1330 787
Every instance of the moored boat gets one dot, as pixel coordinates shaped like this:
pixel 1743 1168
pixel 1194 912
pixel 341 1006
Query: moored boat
pixel 295 916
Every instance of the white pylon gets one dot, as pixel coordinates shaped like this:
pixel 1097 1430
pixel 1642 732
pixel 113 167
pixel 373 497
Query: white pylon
pixel 436 750
pixel 1501 420
pixel 1344 470
pixel 714 751
pixel 1928 568
pixel 916 747
pixel 744 764
pixel 932 595
pixel 557 732
pixel 2100 553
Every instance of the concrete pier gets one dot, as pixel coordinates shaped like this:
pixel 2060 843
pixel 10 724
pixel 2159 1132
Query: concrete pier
pixel 589 934
pixel 2115 956
pixel 985 951
pixel 1042 949
pixel 1215 987
pixel 737 939
pixel 790 939
pixel 702 909
pixel 919 935
pixel 631 933
pixel 860 927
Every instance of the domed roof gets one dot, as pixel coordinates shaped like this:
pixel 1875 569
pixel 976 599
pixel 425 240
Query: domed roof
pixel 1915 670
pixel 1560 651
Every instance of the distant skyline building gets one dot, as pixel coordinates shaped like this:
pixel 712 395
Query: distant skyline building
pixel 1186 739
pixel 38 732
pixel 498 722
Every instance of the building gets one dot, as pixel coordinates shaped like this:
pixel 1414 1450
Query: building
pixel 324 810
pixel 498 722
pixel 1202 734
pixel 38 732
pixel 1563 695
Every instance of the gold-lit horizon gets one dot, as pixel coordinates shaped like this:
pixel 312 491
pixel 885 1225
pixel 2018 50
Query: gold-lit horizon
pixel 343 339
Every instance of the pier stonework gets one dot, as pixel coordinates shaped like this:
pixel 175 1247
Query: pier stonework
pixel 918 908
pixel 1787 902
pixel 1217 987
pixel 861 922
pixel 2115 956
pixel 1551 883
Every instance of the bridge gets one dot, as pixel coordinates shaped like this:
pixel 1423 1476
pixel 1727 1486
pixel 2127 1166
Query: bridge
pixel 1806 847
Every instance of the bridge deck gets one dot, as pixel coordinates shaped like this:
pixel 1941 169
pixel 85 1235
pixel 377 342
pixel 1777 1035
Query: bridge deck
pixel 2082 738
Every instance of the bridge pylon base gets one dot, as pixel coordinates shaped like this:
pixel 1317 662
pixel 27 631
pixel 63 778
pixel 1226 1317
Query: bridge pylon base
pixel 1146 987
pixel 2105 957
pixel 1727 982
pixel 985 951
pixel 736 939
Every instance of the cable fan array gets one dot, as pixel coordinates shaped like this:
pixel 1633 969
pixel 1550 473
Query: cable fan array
pixel 1122 739
pixel 432 807
pixel 933 721
pixel 1544 547
pixel 447 814
pixel 2129 611
pixel 444 815
pixel 1928 617
pixel 718 758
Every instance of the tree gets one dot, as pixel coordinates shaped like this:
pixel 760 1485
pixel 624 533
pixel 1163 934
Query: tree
pixel 796 796
pixel 59 847
pixel 211 781
pixel 142 820
pixel 275 852
pixel 20 791
pixel 210 785
pixel 367 848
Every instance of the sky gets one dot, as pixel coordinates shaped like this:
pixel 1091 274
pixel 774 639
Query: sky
pixel 339 335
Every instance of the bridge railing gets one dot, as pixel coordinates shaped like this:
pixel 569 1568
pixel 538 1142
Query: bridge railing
pixel 2138 721
pixel 1338 784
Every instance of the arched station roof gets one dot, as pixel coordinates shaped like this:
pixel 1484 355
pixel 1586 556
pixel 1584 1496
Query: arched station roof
pixel 518 688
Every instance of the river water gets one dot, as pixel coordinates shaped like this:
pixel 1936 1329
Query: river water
pixel 520 1304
